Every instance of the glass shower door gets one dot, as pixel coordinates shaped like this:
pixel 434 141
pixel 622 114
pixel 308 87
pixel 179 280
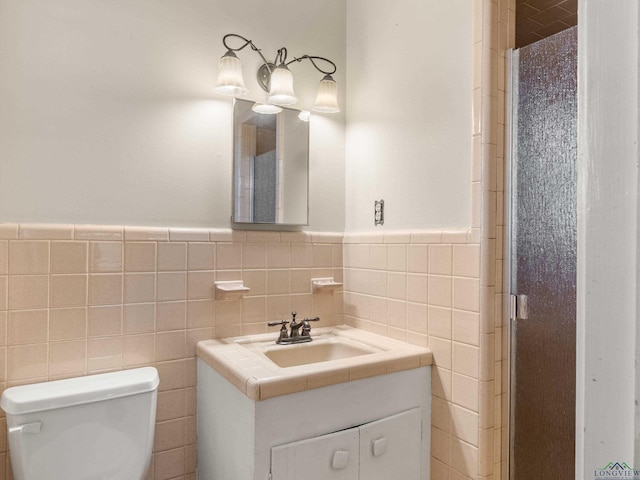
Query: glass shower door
pixel 543 259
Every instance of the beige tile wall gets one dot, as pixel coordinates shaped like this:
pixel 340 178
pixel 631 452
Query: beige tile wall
pixel 494 33
pixel 83 299
pixel 423 287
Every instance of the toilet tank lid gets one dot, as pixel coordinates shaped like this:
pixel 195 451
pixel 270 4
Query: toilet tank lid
pixel 39 397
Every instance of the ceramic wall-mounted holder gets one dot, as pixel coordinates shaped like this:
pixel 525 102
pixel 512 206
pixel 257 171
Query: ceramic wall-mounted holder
pixel 324 285
pixel 230 290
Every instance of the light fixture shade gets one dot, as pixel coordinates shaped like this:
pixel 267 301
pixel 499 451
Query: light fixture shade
pixel 327 98
pixel 266 108
pixel 230 81
pixel 304 115
pixel 281 92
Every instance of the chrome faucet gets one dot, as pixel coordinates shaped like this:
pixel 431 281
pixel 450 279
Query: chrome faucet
pixel 294 336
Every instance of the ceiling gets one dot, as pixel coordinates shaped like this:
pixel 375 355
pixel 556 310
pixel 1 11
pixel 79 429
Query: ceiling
pixel 538 19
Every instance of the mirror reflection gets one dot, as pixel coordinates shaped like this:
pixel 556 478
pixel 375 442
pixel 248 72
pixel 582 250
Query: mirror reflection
pixel 271 166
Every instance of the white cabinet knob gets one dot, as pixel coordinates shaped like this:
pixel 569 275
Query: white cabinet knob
pixel 340 460
pixel 379 447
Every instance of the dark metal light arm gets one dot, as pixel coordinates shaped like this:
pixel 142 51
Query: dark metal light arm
pixel 312 59
pixel 247 42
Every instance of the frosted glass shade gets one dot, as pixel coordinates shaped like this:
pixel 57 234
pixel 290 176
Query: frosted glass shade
pixel 304 116
pixel 230 81
pixel 266 108
pixel 281 92
pixel 327 98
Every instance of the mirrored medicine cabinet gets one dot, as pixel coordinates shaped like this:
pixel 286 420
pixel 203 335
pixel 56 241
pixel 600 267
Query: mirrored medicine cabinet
pixel 270 167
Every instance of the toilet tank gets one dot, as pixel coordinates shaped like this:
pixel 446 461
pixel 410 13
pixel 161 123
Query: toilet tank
pixel 87 428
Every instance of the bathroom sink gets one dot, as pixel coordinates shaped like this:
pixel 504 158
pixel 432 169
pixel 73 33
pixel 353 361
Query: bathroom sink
pixel 323 350
pixel 262 369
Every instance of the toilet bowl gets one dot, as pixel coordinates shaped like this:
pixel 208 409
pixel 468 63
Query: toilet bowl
pixel 98 427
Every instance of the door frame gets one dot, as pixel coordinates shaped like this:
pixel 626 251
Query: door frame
pixel 608 310
pixel 511 86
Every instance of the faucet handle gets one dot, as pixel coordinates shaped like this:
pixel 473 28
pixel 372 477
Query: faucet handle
pixel 283 329
pixel 306 328
pixel 278 322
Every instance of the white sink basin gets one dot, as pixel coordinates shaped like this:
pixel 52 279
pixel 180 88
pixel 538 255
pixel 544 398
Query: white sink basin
pixel 322 350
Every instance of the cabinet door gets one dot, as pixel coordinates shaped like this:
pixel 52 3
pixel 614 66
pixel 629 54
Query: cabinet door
pixel 390 448
pixel 329 457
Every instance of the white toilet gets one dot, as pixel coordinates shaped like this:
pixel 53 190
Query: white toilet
pixel 98 427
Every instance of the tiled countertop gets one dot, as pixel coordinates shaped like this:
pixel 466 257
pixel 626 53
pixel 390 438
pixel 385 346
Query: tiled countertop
pixel 259 378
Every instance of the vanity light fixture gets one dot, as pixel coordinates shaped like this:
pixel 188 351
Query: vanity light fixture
pixel 275 78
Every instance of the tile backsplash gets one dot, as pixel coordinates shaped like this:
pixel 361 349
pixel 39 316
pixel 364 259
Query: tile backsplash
pixel 423 287
pixel 82 299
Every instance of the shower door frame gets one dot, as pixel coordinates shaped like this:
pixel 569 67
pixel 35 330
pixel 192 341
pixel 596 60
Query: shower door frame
pixel 511 87
pixel 511 312
pixel 602 28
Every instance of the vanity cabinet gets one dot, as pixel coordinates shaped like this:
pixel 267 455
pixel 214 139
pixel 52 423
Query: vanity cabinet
pixel 367 429
pixel 380 450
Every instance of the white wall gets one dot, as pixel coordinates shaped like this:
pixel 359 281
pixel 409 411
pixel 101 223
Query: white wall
pixel 409 67
pixel 607 428
pixel 107 110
